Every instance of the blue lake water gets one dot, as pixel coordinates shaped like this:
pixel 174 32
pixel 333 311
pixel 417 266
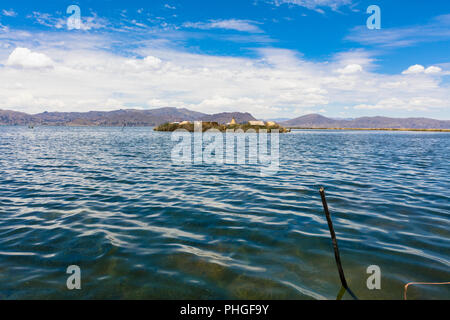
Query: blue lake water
pixel 140 227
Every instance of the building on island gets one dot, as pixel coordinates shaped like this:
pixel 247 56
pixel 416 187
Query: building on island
pixel 232 122
pixel 256 123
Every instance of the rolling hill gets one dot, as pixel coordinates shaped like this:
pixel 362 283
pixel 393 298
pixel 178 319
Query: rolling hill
pixel 130 117
pixel 318 121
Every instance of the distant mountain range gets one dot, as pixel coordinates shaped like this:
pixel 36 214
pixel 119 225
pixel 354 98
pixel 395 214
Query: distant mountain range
pixel 155 117
pixel 129 117
pixel 318 121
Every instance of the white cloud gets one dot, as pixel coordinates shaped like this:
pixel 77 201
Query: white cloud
pixel 113 104
pixel 417 69
pixel 151 61
pixel 231 24
pixel 437 30
pixel 158 103
pixel 47 20
pixel 25 58
pixel 413 104
pixel 93 22
pixel 316 4
pixel 9 13
pixel 25 101
pixel 349 69
pixel 138 65
pixel 87 22
pixel 3 29
pixel 168 6
pixel 275 83
pixel 433 70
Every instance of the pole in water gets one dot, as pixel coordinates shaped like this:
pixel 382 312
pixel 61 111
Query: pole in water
pixel 335 244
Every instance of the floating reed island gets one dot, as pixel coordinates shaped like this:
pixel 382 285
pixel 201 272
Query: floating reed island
pixel 269 126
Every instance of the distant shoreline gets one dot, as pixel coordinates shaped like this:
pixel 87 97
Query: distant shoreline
pixel 292 128
pixel 156 117
pixel 373 129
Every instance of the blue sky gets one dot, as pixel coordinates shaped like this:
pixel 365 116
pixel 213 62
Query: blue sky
pixel 273 58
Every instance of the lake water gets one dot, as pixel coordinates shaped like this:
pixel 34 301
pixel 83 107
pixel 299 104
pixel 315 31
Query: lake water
pixel 140 227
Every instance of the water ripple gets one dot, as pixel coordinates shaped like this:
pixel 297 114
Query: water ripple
pixel 112 202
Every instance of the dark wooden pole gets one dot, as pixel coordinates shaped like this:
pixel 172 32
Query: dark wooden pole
pixel 335 244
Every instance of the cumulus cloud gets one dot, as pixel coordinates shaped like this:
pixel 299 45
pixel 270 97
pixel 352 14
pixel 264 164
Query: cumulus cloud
pixel 433 70
pixel 25 58
pixel 349 69
pixel 417 69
